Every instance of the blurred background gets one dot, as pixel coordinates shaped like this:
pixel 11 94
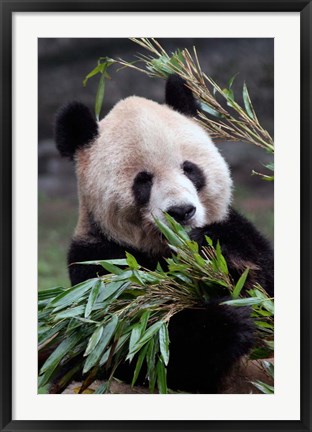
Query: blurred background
pixel 62 66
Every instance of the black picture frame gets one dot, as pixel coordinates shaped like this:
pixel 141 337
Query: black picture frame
pixel 7 9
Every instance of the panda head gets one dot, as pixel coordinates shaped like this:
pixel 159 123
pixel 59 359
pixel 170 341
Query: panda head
pixel 141 160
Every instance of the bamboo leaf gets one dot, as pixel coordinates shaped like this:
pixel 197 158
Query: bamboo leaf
pixel 69 313
pixel 93 341
pixel 113 289
pixel 172 238
pixel 134 338
pixel 118 262
pixel 247 102
pixel 240 284
pixel 132 262
pixel 48 334
pixel 98 69
pixel 65 346
pixel 49 293
pixel 139 364
pixel 148 334
pixel 269 367
pixel 263 387
pixel 92 297
pixel 161 377
pixel 231 80
pixel 99 96
pixel 251 301
pixel 164 343
pixel 103 388
pixel 208 109
pixel 107 334
pixel 111 268
pixel 71 295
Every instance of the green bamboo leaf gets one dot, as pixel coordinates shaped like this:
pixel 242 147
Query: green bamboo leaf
pixel 111 268
pixel 270 344
pixel 263 324
pixel 105 357
pixel 144 319
pixel 260 353
pixel 229 94
pixel 270 166
pixel 247 102
pixel 151 363
pixel 132 262
pixel 231 80
pixel 92 297
pixel 208 109
pixel 118 262
pixel 44 389
pixel 222 265
pixel 93 341
pixel 99 96
pixel 46 335
pixel 177 228
pixel 240 284
pixel 172 238
pixel 263 387
pixel 209 241
pixel 164 343
pixel 148 334
pixel 103 388
pixel 251 301
pixel 139 364
pixel 113 290
pixel 107 334
pixel 134 338
pixel 269 367
pixel 268 303
pixel 69 313
pixel 98 69
pixel 72 295
pixel 161 377
pixel 50 293
pixel 64 347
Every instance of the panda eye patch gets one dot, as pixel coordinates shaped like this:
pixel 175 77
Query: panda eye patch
pixel 194 173
pixel 142 186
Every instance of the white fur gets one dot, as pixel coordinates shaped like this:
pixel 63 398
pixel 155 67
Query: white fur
pixel 141 135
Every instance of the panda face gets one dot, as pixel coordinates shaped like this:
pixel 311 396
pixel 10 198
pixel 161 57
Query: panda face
pixel 149 159
pixel 173 190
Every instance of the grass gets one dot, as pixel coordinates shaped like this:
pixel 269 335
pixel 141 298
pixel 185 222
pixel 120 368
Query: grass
pixel 56 223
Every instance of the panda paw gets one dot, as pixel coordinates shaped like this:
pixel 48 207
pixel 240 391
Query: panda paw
pixel 205 344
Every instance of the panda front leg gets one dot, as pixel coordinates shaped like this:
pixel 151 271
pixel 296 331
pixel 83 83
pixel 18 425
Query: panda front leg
pixel 205 344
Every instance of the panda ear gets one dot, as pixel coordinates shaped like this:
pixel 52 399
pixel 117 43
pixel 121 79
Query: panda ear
pixel 180 97
pixel 75 127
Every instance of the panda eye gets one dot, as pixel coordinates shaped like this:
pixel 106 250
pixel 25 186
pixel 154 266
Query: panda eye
pixel 188 167
pixel 142 186
pixel 194 173
pixel 143 177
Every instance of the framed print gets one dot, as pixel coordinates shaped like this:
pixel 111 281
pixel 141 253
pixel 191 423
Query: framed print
pixel 256 58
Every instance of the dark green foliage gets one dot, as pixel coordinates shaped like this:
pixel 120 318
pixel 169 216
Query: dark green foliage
pixel 124 316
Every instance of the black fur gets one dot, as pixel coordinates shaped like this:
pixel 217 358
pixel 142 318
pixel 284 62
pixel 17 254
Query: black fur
pixel 241 241
pixel 100 248
pixel 142 187
pixel 75 127
pixel 205 343
pixel 195 174
pixel 180 97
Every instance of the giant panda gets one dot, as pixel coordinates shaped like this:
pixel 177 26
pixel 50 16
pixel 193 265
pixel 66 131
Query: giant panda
pixel 143 159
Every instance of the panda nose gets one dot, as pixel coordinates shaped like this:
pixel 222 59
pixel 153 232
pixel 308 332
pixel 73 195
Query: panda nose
pixel 182 213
